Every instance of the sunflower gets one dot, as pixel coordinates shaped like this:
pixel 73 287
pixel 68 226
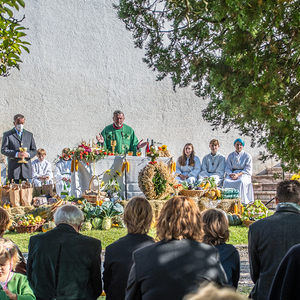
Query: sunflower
pixel 118 173
pixel 107 171
pixel 164 147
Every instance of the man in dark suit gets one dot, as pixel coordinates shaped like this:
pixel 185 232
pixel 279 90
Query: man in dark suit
pixel 62 263
pixel 271 238
pixel 13 140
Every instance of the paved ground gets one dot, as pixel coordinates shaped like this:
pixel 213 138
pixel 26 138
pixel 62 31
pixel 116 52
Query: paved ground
pixel 245 282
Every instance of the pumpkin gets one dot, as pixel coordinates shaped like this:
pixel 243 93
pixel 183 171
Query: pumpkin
pixel 237 220
pixel 48 226
pixel 230 220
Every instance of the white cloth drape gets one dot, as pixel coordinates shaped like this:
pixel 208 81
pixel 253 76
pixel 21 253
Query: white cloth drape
pixel 63 169
pixel 41 168
pixel 236 163
pixel 191 171
pixel 213 166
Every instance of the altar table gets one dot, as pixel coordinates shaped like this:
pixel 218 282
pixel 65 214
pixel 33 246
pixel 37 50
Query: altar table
pixel 128 182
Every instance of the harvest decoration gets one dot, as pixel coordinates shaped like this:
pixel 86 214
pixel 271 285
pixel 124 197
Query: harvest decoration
pixel 255 211
pixel 156 181
pixel 163 151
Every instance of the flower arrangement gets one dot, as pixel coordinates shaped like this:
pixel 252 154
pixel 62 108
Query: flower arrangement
pixel 296 176
pixel 112 186
pixel 85 152
pixel 153 154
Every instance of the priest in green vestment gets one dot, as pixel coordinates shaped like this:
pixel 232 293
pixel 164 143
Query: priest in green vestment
pixel 121 133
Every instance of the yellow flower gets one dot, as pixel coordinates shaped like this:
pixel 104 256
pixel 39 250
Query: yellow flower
pixel 107 171
pixel 118 173
pixel 102 183
pixel 164 147
pixel 294 177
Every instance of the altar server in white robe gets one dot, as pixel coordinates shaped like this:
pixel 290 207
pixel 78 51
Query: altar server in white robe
pixel 213 164
pixel 239 171
pixel 62 173
pixel 41 169
pixel 188 165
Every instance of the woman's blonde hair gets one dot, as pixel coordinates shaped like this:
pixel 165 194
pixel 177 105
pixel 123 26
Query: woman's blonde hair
pixel 179 218
pixel 138 215
pixel 182 159
pixel 212 292
pixel 4 220
pixel 8 251
pixel 215 227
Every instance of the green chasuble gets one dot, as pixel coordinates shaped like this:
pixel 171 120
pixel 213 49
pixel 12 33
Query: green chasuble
pixel 125 137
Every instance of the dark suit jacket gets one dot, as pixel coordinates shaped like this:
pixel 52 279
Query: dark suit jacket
pixel 118 262
pixel 10 146
pixel 170 270
pixel 269 240
pixel 286 282
pixel 63 264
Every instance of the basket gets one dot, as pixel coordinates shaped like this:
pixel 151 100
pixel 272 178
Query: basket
pixel 247 223
pixel 193 193
pixel 94 198
pixel 30 228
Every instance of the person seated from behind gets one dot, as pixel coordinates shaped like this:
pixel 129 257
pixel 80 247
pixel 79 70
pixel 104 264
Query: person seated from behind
pixel 62 174
pixel 13 285
pixel 188 165
pixel 41 169
pixel 118 255
pixel 4 222
pixel 216 233
pixel 213 164
pixel 179 262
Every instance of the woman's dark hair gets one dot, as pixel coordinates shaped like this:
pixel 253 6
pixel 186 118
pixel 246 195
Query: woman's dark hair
pixel 182 159
pixel 215 227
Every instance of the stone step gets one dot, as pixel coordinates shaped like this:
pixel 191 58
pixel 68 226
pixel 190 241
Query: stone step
pixel 265 179
pixel 264 186
pixel 264 195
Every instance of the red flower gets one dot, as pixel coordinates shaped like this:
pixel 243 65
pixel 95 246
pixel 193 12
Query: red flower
pixel 60 157
pixel 105 153
pixel 73 152
pixel 179 184
pixel 87 164
pixel 101 151
pixel 69 156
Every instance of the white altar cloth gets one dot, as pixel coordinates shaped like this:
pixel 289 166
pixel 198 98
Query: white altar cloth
pixel 80 180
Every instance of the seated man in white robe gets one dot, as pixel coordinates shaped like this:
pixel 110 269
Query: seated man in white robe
pixel 41 170
pixel 239 171
pixel 213 164
pixel 62 174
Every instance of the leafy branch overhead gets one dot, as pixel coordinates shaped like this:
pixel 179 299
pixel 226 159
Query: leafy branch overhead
pixel 243 55
pixel 11 36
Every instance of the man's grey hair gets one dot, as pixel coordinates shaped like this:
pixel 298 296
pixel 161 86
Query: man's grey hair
pixel 70 214
pixel 18 116
pixel 118 112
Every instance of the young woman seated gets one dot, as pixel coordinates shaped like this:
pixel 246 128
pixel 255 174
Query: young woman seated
pixel 188 165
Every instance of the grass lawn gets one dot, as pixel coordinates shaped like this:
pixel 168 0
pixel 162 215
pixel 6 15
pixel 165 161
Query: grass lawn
pixel 238 236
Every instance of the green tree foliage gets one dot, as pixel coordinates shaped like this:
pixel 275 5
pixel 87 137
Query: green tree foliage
pixel 11 34
pixel 243 54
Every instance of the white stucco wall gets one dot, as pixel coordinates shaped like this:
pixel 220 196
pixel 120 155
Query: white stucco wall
pixel 82 66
